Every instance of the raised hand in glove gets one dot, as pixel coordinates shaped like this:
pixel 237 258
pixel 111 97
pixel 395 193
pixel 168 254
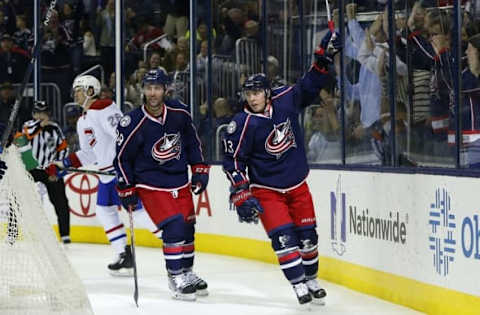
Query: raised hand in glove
pixel 3 167
pixel 199 178
pixel 128 196
pixel 248 207
pixel 329 47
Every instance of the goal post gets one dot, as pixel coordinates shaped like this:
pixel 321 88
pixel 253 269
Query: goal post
pixel 36 276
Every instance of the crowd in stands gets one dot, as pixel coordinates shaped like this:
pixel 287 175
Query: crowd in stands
pixel 81 34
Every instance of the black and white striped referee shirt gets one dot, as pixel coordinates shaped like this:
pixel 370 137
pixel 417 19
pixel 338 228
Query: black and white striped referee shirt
pixel 48 142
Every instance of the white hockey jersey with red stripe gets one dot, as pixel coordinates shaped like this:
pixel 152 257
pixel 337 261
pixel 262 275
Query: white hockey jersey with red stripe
pixel 97 133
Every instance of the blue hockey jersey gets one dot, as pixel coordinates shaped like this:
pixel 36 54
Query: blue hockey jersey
pixel 271 145
pixel 154 152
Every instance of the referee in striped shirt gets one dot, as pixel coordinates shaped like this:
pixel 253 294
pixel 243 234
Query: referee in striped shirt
pixel 48 145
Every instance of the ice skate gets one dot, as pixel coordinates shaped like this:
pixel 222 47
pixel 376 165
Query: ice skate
pixel 123 267
pixel 316 292
pixel 302 292
pixel 181 288
pixel 200 284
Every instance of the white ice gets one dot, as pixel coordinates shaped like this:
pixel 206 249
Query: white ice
pixel 236 286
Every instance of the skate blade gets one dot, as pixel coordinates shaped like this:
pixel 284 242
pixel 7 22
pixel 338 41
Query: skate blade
pixel 319 301
pixel 202 293
pixel 306 307
pixel 124 272
pixel 191 297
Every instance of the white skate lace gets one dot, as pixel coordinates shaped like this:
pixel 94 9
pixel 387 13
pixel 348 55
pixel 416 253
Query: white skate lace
pixel 191 277
pixel 180 281
pixel 313 285
pixel 300 289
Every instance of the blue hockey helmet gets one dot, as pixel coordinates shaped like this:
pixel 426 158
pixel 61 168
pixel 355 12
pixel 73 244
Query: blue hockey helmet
pixel 157 76
pixel 258 81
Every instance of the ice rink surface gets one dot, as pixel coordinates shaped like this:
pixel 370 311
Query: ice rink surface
pixel 236 286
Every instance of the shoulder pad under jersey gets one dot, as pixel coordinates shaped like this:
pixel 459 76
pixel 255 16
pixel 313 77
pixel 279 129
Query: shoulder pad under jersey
pixel 174 103
pixel 130 120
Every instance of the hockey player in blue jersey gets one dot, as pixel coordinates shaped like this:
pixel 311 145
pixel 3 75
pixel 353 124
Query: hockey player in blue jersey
pixel 155 144
pixel 266 164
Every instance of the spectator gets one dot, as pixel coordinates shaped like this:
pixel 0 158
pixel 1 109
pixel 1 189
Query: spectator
pixel 134 87
pixel 89 47
pixel 23 36
pixel 70 18
pixel 273 72
pixel 73 113
pixel 202 34
pixel 222 112
pixel 170 59
pixel 13 61
pixel 202 58
pixel 107 92
pixel 146 32
pixel 322 133
pixel 177 17
pixel 56 61
pixel 181 62
pixel 469 109
pixel 154 60
pixel 234 20
pixel 7 100
pixel 8 19
pixel 106 35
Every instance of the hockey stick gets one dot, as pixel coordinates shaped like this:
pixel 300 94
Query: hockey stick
pixel 134 258
pixel 331 27
pixel 92 172
pixel 26 78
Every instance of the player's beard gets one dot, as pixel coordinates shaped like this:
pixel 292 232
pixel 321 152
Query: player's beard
pixel 154 105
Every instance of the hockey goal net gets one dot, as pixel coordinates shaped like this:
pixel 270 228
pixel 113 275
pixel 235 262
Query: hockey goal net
pixel 35 274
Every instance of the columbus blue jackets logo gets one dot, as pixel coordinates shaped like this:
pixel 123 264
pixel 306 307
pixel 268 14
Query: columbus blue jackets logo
pixel 280 139
pixel 167 148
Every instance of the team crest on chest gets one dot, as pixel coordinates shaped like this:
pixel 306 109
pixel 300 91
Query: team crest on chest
pixel 167 148
pixel 280 139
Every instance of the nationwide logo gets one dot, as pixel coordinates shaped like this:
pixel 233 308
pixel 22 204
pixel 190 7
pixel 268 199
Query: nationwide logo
pixel 338 233
pixel 392 228
pixel 441 239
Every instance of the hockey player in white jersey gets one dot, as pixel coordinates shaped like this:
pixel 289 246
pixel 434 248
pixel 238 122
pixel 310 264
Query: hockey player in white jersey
pixel 97 133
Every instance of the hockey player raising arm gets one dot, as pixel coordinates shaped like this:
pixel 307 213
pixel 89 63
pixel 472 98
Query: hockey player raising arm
pixel 266 164
pixel 155 144
pixel 96 132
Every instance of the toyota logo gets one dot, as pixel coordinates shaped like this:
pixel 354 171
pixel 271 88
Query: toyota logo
pixel 84 188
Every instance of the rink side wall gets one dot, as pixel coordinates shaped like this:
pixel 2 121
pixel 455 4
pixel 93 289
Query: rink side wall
pixel 411 239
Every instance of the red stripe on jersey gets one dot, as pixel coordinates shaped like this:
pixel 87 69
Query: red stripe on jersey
pixel 114 228
pixel 310 255
pixel 289 257
pixel 188 248
pixel 173 250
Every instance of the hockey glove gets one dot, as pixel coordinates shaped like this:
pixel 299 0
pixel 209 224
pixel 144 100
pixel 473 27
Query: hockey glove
pixel 3 167
pixel 128 196
pixel 324 55
pixel 248 207
pixel 54 171
pixel 199 178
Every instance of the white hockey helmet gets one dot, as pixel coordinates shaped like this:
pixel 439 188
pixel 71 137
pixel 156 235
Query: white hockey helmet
pixel 86 82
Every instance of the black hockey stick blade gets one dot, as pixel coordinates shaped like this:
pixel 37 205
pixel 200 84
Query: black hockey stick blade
pixel 134 257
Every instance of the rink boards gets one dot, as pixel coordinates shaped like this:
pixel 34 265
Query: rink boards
pixel 408 238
